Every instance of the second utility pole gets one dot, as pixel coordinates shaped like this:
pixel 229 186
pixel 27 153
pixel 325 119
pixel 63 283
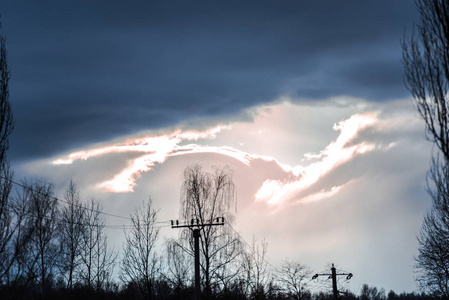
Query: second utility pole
pixel 334 275
pixel 195 226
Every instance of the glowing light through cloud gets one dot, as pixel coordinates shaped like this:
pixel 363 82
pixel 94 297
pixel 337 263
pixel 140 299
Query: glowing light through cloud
pixel 335 154
pixel 156 149
pixel 146 144
pixel 323 194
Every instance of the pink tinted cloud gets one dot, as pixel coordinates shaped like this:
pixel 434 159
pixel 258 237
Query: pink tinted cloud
pixel 157 148
pixel 335 154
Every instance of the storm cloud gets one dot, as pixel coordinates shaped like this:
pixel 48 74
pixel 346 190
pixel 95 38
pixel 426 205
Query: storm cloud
pixel 91 70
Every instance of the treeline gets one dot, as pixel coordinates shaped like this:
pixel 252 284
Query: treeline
pixel 53 248
pixel 47 243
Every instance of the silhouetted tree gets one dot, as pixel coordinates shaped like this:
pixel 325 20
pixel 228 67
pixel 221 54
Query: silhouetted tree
pixel 40 240
pixel 91 237
pixel 6 116
pixel 255 268
pixel 293 277
pixel 7 226
pixel 105 261
pixel 433 258
pixel 13 268
pixel 97 261
pixel 141 264
pixel 372 293
pixel 426 62
pixel 178 268
pixel 205 197
pixel 9 222
pixel 391 295
pixel 71 229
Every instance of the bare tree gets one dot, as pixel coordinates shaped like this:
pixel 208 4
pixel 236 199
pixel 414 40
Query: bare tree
pixel 40 246
pixel 14 270
pixel 141 264
pixel 227 265
pixel 7 226
pixel 91 220
pixel 92 234
pixel 97 261
pixel 6 116
pixel 433 258
pixel 105 261
pixel 372 293
pixel 426 61
pixel 292 278
pixel 8 222
pixel 71 229
pixel 205 197
pixel 255 268
pixel 178 269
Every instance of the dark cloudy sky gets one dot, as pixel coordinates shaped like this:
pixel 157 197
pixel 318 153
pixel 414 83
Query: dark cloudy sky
pixel 85 71
pixel 303 99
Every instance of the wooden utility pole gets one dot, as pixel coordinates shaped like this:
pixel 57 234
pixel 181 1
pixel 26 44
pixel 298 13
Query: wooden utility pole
pixel 196 236
pixel 196 228
pixel 334 282
pixel 334 275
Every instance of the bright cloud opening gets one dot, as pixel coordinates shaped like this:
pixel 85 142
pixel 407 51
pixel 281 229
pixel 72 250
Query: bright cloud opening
pixel 156 149
pixel 335 154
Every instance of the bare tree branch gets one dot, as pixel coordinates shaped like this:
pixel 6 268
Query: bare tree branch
pixel 141 264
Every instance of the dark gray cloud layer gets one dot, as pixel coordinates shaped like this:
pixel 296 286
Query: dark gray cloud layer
pixel 86 71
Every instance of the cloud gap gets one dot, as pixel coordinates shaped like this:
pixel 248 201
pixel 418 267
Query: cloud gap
pixel 296 181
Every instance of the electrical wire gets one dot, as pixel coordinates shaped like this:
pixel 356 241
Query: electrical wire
pixel 121 226
pixel 253 250
pixel 64 201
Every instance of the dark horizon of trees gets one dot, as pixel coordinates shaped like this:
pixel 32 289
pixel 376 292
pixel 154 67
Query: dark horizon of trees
pixel 59 249
pixel 164 291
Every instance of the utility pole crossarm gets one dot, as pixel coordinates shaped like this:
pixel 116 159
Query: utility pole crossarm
pixel 333 276
pixel 195 226
pixel 349 275
pixel 194 223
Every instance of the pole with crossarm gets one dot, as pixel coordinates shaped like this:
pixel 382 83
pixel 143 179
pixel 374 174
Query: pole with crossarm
pixel 334 275
pixel 195 226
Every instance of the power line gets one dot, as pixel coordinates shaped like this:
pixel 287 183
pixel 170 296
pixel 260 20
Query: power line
pixel 260 256
pixel 58 219
pixel 253 250
pixel 64 201
pixel 122 226
pixel 130 227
